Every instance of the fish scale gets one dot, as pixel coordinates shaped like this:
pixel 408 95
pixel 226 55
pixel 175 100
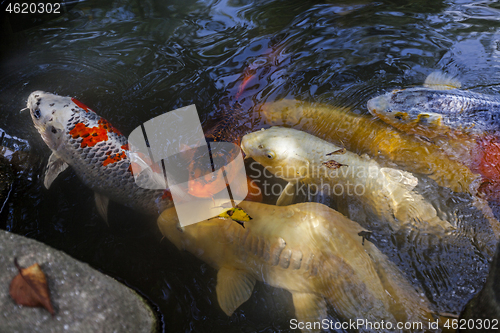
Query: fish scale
pixel 97 152
pixel 458 108
pixel 464 124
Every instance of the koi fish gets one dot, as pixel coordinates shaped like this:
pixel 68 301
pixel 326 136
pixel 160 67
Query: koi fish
pixel 96 151
pixel 227 127
pixel 365 135
pixel 268 60
pixel 299 157
pixel 310 250
pixel 439 108
pixel 465 124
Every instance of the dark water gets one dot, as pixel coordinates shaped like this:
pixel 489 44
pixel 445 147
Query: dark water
pixel 133 60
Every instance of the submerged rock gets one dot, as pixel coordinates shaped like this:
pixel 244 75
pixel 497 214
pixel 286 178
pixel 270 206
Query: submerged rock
pixel 84 299
pixel 15 159
pixel 486 303
pixel 6 180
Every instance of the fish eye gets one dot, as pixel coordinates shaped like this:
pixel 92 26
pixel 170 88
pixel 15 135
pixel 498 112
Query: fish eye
pixel 37 113
pixel 270 154
pixel 423 118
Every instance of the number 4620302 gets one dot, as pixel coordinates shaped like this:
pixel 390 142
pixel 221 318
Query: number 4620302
pixel 464 324
pixel 34 8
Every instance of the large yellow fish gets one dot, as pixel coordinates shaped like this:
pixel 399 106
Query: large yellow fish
pixel 362 134
pixel 299 157
pixel 308 249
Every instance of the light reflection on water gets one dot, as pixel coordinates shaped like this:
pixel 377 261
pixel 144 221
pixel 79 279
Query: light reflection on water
pixel 131 61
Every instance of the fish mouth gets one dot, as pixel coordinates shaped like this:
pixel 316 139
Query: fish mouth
pixel 377 105
pixel 34 99
pixel 243 148
pixel 248 146
pixel 33 104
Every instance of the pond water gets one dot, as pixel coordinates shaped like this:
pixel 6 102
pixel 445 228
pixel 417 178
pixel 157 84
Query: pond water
pixel 133 60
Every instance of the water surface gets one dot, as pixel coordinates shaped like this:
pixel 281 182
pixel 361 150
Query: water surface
pixel 131 61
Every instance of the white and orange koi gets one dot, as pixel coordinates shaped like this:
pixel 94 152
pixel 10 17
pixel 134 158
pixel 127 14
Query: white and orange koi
pixel 96 151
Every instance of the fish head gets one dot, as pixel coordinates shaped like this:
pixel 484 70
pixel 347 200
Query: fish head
pixel 50 114
pixel 409 111
pixel 279 150
pixel 204 235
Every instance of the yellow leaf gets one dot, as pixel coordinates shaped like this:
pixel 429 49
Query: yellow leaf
pixel 236 214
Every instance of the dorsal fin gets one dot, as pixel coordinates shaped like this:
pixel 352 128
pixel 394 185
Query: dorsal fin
pixel 55 166
pixel 441 81
pixel 404 178
pixel 288 195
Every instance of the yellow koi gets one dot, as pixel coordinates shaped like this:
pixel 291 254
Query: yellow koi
pixel 308 249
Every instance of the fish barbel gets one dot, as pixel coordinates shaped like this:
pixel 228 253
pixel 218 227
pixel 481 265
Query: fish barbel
pixel 299 157
pixel 438 108
pixel 308 249
pixel 95 150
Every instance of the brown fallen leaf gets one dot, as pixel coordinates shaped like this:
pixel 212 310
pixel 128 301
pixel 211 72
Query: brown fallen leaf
pixel 29 287
pixel 333 164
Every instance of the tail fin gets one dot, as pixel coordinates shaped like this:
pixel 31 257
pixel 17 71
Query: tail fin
pixel 407 303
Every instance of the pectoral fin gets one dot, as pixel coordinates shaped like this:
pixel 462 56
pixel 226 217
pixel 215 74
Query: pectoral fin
pixel 286 197
pixel 54 167
pixel 234 287
pixel 102 203
pixel 309 307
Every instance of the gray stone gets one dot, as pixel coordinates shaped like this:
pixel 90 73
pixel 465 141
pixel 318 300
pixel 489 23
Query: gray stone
pixel 84 299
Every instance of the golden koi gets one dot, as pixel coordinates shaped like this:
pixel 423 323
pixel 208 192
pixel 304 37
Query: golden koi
pixel 297 156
